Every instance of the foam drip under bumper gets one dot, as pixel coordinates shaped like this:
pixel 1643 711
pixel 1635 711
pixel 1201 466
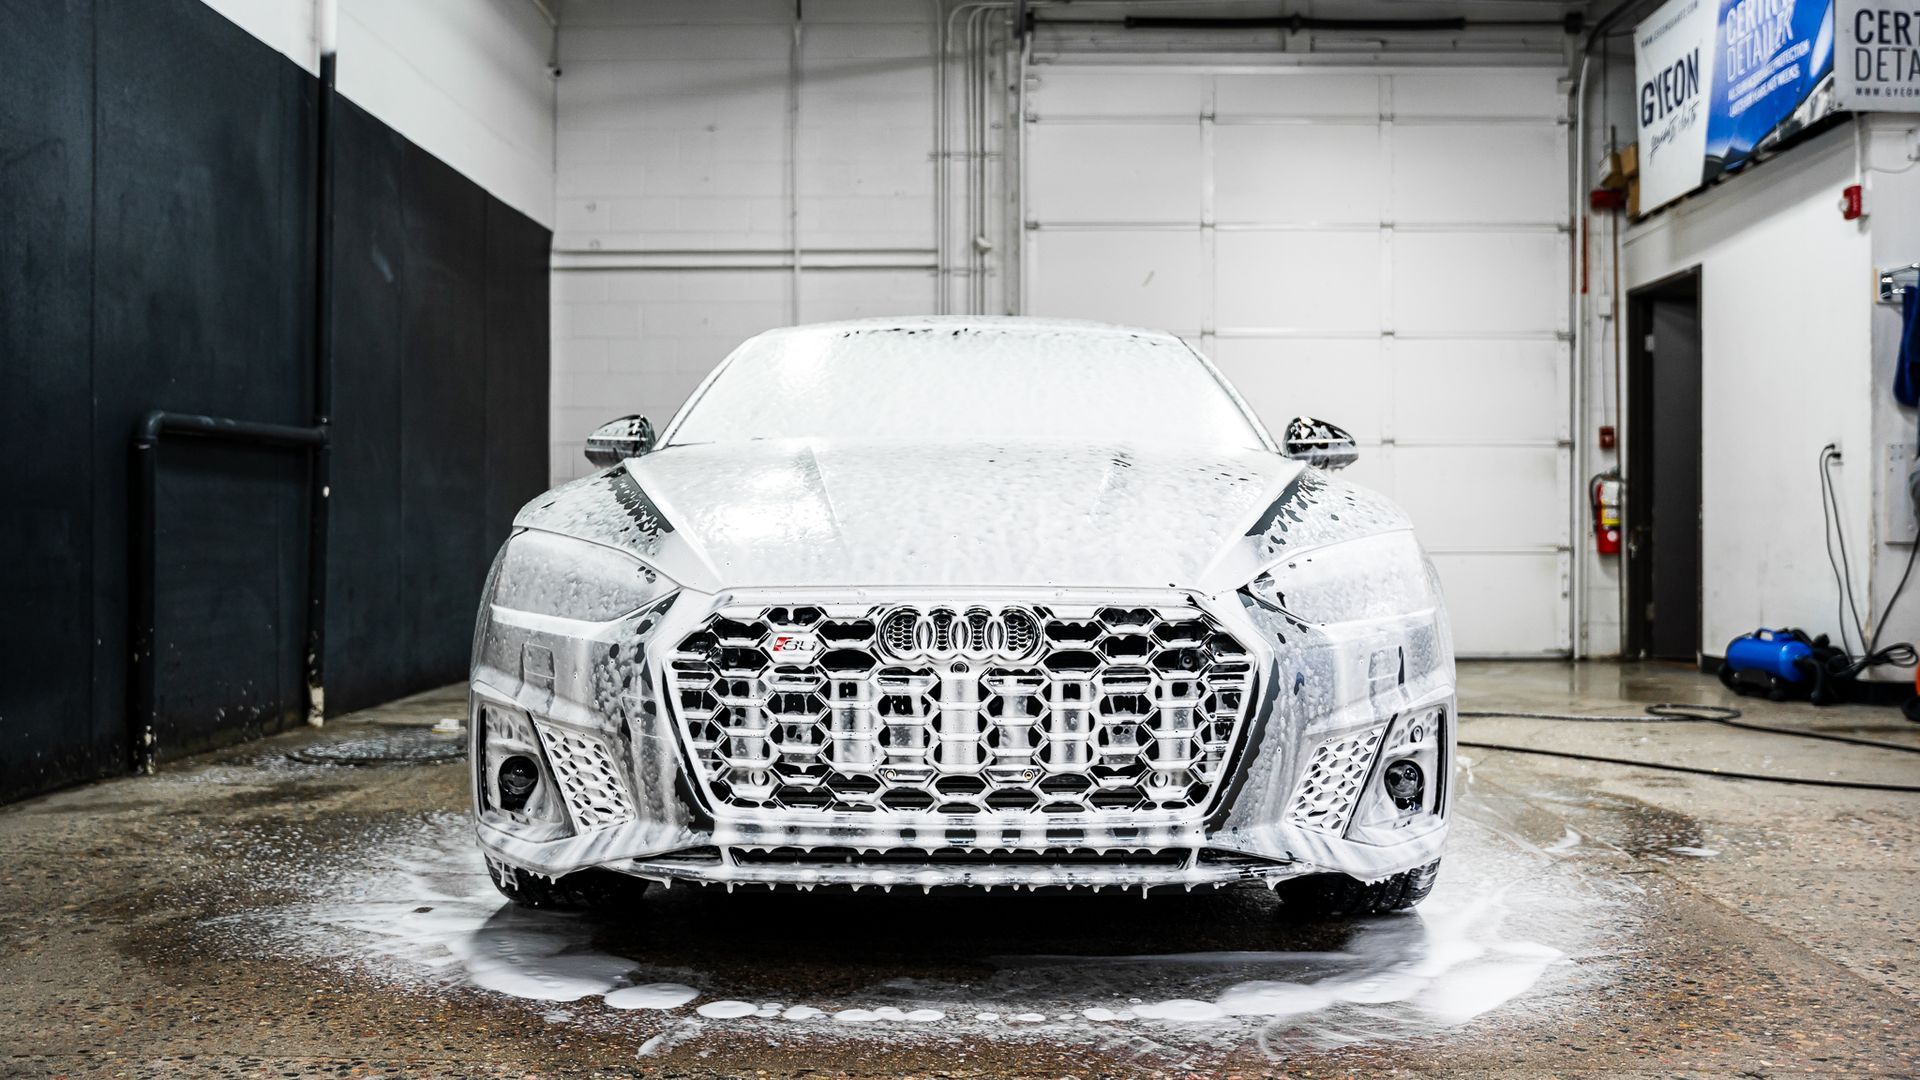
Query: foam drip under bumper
pixel 1123 870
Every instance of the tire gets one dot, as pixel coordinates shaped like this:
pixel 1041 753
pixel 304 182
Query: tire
pixel 582 890
pixel 1337 896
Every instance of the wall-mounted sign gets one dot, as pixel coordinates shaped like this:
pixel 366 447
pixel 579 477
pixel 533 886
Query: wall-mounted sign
pixel 1722 81
pixel 1877 65
pixel 1673 58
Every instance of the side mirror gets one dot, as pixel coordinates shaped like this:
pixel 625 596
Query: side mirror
pixel 613 443
pixel 1319 444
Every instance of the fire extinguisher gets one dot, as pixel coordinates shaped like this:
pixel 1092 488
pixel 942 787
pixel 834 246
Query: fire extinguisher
pixel 1603 493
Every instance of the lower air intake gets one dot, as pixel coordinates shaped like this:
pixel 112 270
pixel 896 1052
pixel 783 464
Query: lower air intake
pixel 1330 786
pixel 588 778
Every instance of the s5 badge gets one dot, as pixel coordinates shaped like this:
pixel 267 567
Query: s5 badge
pixel 794 648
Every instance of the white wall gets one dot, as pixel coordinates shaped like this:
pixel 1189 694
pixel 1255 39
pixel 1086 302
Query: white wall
pixel 1787 367
pixel 1889 151
pixel 678 213
pixel 466 80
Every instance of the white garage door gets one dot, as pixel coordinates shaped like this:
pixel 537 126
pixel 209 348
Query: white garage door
pixel 1384 249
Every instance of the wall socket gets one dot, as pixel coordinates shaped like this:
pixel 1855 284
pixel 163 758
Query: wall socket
pixel 1897 522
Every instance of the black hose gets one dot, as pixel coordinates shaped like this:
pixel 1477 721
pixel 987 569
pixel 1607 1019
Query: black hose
pixel 1713 714
pixel 1856 785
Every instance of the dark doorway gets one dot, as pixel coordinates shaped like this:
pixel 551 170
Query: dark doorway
pixel 1663 469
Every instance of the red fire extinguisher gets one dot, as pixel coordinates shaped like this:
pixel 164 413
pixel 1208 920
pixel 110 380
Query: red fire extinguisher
pixel 1604 493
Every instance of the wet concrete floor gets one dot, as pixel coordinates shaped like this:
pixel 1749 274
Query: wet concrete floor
pixel 265 911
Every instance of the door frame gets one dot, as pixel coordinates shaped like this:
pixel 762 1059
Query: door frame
pixel 1636 584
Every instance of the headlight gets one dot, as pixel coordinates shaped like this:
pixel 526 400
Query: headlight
pixel 547 574
pixel 1375 577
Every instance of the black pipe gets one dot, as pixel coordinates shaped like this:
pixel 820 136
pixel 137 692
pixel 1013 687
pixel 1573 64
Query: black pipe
pixel 144 570
pixel 1570 24
pixel 1606 21
pixel 320 490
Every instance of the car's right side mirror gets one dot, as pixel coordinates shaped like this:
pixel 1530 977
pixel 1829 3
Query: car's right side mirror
pixel 615 442
pixel 1318 443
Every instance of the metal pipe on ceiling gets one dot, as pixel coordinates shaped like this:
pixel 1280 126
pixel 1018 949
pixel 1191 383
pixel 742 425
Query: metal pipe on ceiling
pixel 1571 23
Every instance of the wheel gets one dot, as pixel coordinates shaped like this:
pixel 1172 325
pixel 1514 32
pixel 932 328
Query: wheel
pixel 582 890
pixel 1337 896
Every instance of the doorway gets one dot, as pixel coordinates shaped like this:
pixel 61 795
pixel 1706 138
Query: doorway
pixel 1663 469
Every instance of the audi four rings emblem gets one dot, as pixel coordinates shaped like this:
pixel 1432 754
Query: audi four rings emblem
pixel 1010 633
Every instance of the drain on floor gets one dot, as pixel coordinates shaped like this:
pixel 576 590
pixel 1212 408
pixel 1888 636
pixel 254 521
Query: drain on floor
pixel 408 746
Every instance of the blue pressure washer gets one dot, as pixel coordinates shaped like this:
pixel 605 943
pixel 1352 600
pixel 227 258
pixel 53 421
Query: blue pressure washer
pixel 1784 664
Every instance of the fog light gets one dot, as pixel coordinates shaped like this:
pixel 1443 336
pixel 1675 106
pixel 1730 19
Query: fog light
pixel 518 776
pixel 1405 784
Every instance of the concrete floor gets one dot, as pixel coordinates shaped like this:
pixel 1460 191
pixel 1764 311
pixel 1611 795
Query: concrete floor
pixel 246 913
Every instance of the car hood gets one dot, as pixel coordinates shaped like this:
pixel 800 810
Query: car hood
pixel 813 513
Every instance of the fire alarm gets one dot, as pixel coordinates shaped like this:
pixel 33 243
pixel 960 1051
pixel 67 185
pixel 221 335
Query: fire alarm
pixel 1606 436
pixel 1851 206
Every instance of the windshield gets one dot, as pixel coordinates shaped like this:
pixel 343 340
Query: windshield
pixel 965 382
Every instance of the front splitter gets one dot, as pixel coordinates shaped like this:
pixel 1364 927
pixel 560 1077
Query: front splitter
pixel 1032 875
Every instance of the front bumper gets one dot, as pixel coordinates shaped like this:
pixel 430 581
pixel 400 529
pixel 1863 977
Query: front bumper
pixel 1302 791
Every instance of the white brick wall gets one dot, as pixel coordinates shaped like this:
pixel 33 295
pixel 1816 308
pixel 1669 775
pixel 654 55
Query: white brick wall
pixel 672 149
pixel 466 80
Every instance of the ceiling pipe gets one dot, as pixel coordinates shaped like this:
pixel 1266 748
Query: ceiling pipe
pixel 1572 23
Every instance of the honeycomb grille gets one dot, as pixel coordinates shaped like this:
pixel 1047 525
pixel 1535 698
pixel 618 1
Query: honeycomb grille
pixel 961 710
pixel 1330 786
pixel 588 778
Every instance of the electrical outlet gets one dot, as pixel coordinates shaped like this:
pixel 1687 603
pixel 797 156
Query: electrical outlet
pixel 1898 525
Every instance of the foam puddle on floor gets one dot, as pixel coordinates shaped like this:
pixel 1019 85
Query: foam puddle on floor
pixel 421 913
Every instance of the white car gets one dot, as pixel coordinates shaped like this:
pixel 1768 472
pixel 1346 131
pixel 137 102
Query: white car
pixel 980 602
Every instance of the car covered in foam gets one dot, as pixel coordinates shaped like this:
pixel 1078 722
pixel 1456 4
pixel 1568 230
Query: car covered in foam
pixel 964 602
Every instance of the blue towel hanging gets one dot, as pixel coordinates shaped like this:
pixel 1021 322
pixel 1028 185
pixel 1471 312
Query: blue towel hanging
pixel 1906 381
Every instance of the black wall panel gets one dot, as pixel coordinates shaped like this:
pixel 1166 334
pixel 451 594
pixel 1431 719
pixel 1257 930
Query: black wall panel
pixel 156 222
pixel 440 418
pixel 47 729
pixel 517 364
pixel 230 595
pixel 444 429
pixel 202 303
pixel 365 583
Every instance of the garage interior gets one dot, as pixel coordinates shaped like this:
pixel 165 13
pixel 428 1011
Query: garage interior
pixel 302 300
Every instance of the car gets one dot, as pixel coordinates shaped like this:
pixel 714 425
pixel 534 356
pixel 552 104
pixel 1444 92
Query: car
pixel 978 603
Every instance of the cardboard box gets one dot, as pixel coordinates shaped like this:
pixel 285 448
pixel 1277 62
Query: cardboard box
pixel 1623 169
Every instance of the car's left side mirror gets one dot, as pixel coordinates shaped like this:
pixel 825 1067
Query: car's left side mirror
pixel 615 442
pixel 1319 444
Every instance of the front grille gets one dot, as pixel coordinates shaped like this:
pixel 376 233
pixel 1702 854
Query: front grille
pixel 960 709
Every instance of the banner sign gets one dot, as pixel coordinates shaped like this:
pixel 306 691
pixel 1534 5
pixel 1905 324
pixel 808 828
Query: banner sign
pixel 1673 59
pixel 1878 61
pixel 1724 80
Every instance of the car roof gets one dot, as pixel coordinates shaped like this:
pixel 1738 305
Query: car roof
pixel 976 322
